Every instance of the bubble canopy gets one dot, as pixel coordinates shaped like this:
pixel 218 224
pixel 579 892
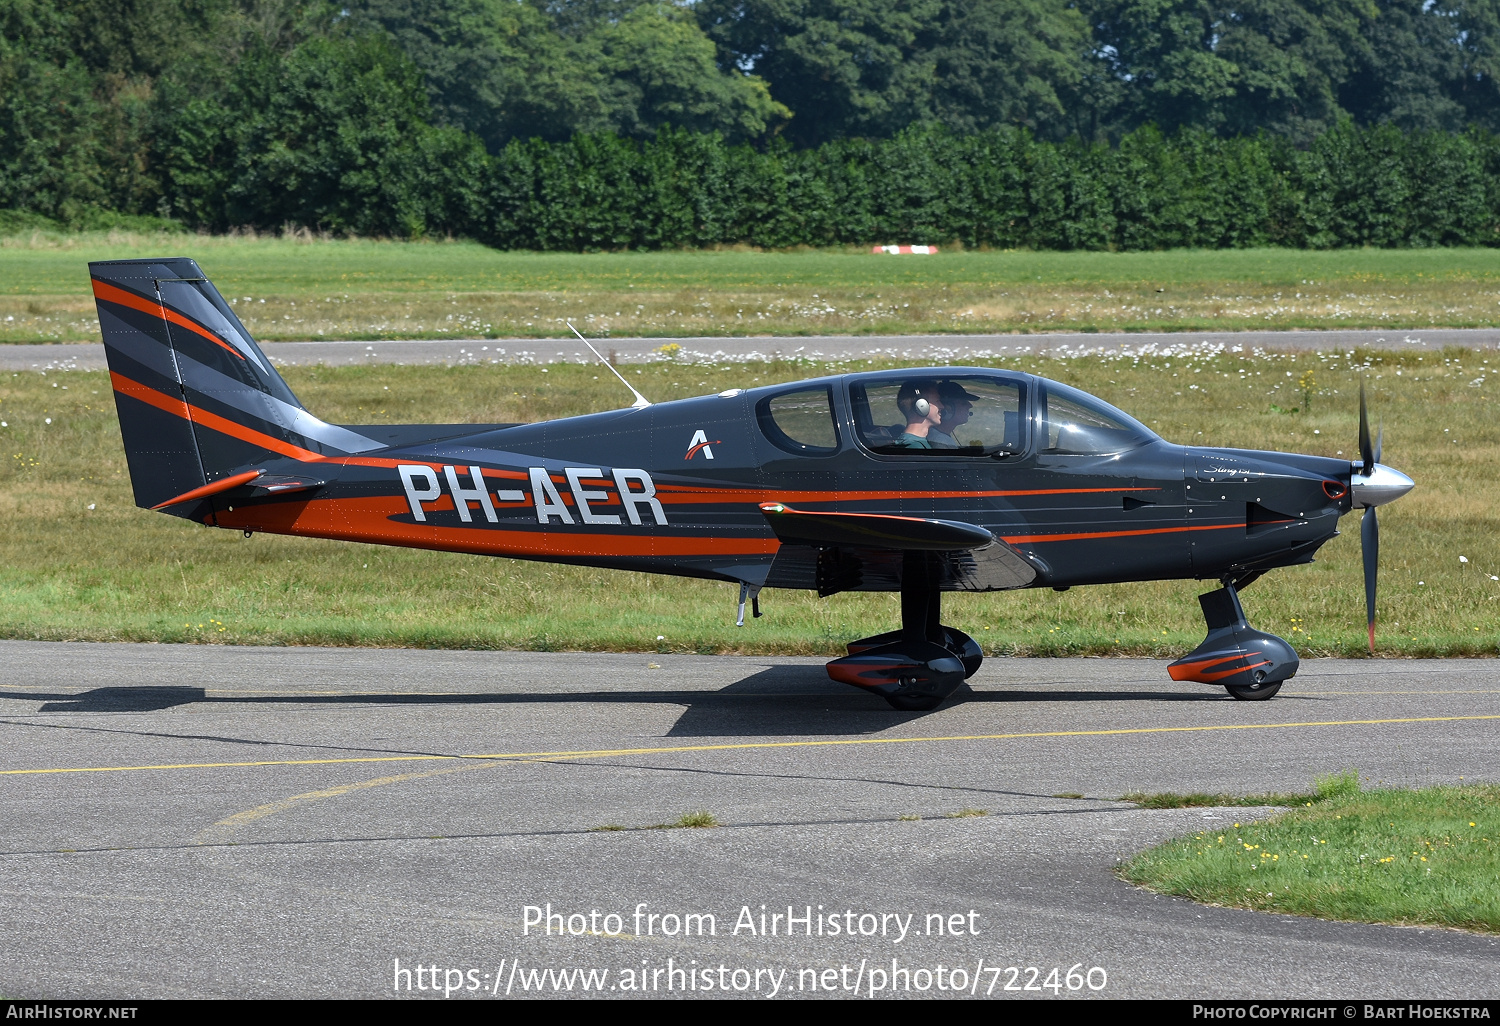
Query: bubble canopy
pixel 1070 422
pixel 971 414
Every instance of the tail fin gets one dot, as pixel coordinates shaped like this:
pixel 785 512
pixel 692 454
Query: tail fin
pixel 198 400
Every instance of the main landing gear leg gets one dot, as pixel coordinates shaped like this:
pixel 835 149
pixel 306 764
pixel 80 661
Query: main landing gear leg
pixel 924 662
pixel 1251 664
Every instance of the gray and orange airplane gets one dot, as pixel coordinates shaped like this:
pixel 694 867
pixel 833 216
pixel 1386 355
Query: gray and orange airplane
pixel 944 479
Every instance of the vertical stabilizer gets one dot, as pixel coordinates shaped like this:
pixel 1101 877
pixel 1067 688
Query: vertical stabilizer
pixel 198 400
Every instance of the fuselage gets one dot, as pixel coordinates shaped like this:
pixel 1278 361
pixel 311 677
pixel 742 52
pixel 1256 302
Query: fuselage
pixel 1085 493
pixel 919 481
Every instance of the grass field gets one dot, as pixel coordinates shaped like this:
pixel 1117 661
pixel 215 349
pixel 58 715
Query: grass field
pixel 1427 857
pixel 79 561
pixel 286 289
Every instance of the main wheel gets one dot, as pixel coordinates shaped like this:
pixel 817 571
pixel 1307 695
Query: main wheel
pixel 914 703
pixel 1253 692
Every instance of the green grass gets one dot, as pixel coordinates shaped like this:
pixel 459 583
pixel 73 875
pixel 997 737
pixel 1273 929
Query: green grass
pixel 1338 785
pixel 1425 857
pixel 115 572
pixel 308 288
pixel 687 821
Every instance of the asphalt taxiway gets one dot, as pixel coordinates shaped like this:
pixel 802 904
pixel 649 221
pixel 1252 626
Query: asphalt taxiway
pixel 937 349
pixel 285 822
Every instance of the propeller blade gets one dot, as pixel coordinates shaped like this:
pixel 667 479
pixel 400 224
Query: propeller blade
pixel 1379 441
pixel 1369 543
pixel 1366 451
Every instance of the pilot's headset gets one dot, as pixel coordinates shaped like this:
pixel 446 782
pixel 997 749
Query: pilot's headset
pixel 911 400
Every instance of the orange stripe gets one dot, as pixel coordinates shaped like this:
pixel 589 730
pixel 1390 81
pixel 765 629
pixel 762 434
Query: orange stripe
pixel 149 396
pixel 368 520
pixel 202 417
pixel 778 508
pixel 212 420
pixel 1204 664
pixel 1191 671
pixel 1080 536
pixel 679 495
pixel 387 462
pixel 1198 672
pixel 682 494
pixel 110 294
pixel 253 437
pixel 1218 675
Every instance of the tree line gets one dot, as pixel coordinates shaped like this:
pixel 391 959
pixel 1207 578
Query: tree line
pixel 578 124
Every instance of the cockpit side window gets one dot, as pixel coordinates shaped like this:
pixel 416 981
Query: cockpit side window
pixel 800 422
pixel 1074 423
pixel 969 415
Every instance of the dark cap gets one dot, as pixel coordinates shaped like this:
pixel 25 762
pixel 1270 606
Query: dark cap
pixel 953 390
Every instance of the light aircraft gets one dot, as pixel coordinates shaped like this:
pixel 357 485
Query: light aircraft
pixel 921 482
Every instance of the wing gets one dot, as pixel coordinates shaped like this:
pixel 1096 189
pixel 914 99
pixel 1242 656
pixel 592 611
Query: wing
pixel 833 552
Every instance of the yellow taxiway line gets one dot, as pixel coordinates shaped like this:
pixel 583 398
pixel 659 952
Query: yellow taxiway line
pixel 604 753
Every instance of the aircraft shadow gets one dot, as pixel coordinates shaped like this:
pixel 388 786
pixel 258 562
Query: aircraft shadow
pixel 120 699
pixel 776 701
pixel 781 701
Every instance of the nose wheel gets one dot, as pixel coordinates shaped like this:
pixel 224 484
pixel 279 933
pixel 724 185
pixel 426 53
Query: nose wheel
pixel 1250 664
pixel 1254 692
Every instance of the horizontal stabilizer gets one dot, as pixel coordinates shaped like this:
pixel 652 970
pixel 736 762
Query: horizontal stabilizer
pixel 213 488
pixel 873 530
pixel 284 484
pixel 252 484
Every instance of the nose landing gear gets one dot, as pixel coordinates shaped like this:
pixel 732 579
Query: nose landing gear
pixel 1250 664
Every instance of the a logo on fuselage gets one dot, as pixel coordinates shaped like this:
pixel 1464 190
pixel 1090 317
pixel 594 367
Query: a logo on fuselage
pixel 700 443
pixel 587 487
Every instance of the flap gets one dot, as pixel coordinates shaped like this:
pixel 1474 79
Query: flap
pixel 830 569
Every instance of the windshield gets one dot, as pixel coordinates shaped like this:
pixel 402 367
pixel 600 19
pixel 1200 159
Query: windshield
pixel 955 415
pixel 1074 423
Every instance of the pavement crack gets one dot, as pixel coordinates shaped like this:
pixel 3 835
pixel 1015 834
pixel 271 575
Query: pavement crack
pixel 525 834
pixel 814 778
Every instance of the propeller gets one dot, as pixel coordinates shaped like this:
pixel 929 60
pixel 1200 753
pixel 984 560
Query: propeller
pixel 1366 450
pixel 1369 527
pixel 1369 543
pixel 1373 484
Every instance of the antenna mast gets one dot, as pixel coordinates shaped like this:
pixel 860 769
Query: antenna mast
pixel 641 402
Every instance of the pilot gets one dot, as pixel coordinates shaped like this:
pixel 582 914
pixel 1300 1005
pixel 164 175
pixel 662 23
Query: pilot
pixel 958 404
pixel 922 406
